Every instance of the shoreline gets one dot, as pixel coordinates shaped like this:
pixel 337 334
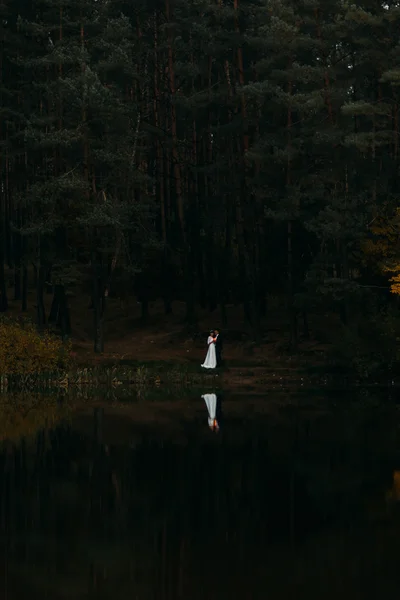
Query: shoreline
pixel 168 376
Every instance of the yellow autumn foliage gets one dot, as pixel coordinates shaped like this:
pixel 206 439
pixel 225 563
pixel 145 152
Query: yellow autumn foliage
pixel 380 245
pixel 23 351
pixel 395 282
pixel 382 248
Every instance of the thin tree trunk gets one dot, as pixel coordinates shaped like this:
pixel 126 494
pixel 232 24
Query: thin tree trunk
pixel 174 130
pixel 98 304
pixel 241 78
pixel 160 184
pixel 3 198
pixel 247 268
pixel 187 258
pixel 290 266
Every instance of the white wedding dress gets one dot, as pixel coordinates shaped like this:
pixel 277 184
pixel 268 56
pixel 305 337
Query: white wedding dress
pixel 211 356
pixel 211 403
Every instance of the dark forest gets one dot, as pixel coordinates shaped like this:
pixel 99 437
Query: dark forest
pixel 211 152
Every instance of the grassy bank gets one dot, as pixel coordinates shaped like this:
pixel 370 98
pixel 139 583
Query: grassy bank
pixel 139 375
pixel 166 375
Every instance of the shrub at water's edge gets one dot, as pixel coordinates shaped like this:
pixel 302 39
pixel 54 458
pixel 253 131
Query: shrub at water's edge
pixel 24 351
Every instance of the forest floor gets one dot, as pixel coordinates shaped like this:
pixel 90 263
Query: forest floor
pixel 167 339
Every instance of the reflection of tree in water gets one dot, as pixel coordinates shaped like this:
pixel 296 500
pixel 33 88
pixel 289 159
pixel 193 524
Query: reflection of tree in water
pixel 23 415
pixel 87 519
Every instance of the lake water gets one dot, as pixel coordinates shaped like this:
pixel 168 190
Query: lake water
pixel 296 496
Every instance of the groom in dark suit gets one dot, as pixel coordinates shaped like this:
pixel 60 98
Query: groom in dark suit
pixel 218 347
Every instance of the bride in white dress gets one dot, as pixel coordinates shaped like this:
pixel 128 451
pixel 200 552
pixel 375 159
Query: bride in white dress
pixel 211 356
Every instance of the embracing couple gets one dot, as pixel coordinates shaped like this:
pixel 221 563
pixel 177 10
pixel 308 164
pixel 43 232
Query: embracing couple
pixel 214 353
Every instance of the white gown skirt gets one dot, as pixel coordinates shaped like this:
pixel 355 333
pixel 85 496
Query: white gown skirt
pixel 211 358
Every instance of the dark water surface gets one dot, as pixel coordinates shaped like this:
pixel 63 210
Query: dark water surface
pixel 292 498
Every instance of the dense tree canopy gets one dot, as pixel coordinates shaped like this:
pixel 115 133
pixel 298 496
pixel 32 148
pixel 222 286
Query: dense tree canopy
pixel 211 151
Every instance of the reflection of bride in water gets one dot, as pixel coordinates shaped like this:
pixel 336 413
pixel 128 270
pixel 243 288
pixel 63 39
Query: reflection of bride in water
pixel 213 404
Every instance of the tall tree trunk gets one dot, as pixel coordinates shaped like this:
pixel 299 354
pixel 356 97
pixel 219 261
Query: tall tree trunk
pixel 174 128
pixel 3 202
pixel 160 183
pixel 187 258
pixel 98 303
pixel 240 70
pixel 248 268
pixel 293 341
pixel 98 287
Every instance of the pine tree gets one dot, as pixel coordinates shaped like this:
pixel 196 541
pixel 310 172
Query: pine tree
pixel 85 191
